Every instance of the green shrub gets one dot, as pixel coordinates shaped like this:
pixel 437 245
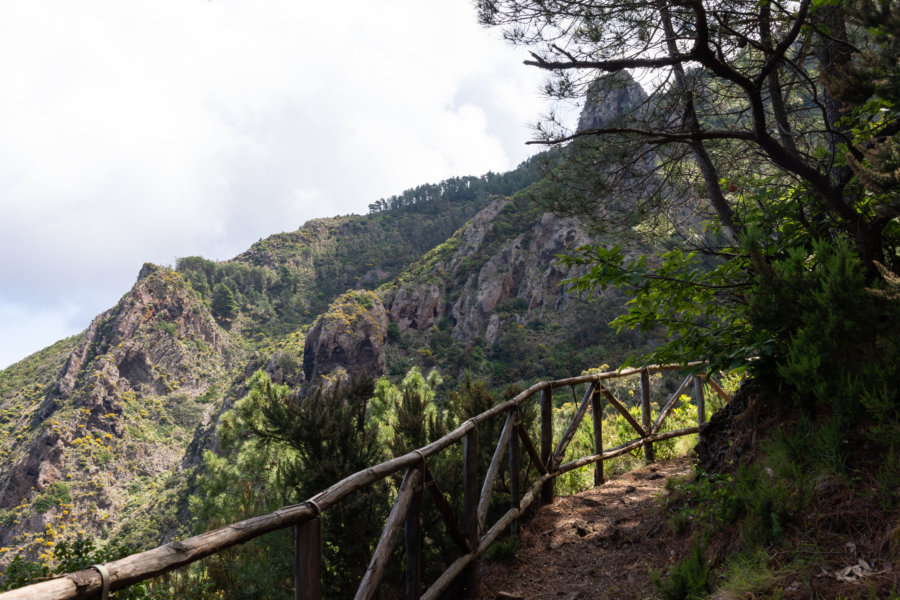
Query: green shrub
pixel 209 395
pixel 73 555
pixel 55 494
pixel 504 549
pixel 835 338
pixel 687 579
pixel 20 572
pixel 393 332
pixel 7 517
pixel 170 328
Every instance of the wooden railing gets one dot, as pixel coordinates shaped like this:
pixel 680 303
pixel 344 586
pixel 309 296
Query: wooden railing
pixel 466 532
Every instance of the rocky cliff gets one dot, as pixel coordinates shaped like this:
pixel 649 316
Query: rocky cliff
pixel 612 98
pixel 475 276
pixel 348 339
pixel 492 302
pixel 102 433
pixel 117 417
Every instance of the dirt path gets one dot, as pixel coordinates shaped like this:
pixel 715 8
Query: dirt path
pixel 600 543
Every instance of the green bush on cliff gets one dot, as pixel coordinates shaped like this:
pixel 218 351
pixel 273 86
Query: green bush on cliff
pixel 57 493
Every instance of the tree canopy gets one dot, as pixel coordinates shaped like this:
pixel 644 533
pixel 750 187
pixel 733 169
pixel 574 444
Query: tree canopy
pixel 757 95
pixel 760 172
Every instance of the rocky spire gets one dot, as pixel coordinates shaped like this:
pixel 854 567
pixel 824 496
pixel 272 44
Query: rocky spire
pixel 609 98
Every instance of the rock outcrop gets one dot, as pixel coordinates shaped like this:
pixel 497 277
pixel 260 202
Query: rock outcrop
pixel 611 98
pixel 477 276
pixel 525 268
pixel 349 337
pixel 138 366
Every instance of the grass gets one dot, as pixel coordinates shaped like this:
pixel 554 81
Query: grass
pixel 688 579
pixel 746 575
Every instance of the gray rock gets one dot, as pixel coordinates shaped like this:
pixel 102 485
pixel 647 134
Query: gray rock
pixel 611 98
pixel 349 336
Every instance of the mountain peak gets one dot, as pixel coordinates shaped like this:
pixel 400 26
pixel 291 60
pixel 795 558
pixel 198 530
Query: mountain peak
pixel 609 98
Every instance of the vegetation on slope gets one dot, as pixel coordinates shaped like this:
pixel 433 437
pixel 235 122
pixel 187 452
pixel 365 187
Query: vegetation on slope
pixel 144 393
pixel 787 266
pixel 284 281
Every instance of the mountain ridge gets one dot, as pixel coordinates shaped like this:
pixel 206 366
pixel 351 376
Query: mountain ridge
pixel 448 275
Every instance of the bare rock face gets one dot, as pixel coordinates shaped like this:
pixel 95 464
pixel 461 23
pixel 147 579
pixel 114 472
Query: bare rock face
pixel 38 468
pixel 419 306
pixel 135 345
pixel 158 347
pixel 416 308
pixel 523 268
pixel 611 98
pixel 350 337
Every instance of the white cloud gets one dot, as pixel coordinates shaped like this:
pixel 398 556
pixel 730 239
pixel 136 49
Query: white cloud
pixel 145 130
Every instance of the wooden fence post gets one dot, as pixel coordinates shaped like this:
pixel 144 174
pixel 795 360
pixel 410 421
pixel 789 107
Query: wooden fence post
pixel 514 496
pixel 371 579
pixel 308 560
pixel 413 541
pixel 470 507
pixel 645 413
pixel 597 412
pixel 701 401
pixel 547 441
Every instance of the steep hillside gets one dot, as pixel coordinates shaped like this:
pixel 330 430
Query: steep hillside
pixel 283 282
pixel 108 424
pixel 490 301
pixel 104 432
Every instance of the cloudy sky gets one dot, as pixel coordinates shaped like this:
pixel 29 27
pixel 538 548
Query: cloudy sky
pixel 145 130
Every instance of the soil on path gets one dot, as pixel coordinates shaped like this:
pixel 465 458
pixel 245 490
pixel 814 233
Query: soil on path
pixel 601 543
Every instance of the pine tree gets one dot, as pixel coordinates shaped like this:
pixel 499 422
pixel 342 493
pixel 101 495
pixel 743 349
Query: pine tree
pixel 224 304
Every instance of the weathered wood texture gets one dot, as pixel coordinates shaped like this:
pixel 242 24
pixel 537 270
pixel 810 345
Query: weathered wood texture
pixel 514 467
pixel 547 440
pixel 138 567
pixel 620 450
pixel 701 401
pixel 470 507
pixel 308 560
pixel 448 516
pixel 530 449
pixel 413 543
pixel 597 417
pixel 389 535
pixel 718 389
pixel 461 563
pixel 623 410
pixel 572 429
pixel 645 414
pixel 673 400
pixel 490 477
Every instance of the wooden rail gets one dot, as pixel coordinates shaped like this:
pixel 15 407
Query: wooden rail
pixel 466 531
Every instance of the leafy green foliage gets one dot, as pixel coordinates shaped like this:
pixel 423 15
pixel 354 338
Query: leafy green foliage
pixel 697 301
pixel 21 572
pixel 170 328
pixel 458 189
pixel 73 555
pixel 504 549
pixel 762 502
pixel 56 493
pixel 835 339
